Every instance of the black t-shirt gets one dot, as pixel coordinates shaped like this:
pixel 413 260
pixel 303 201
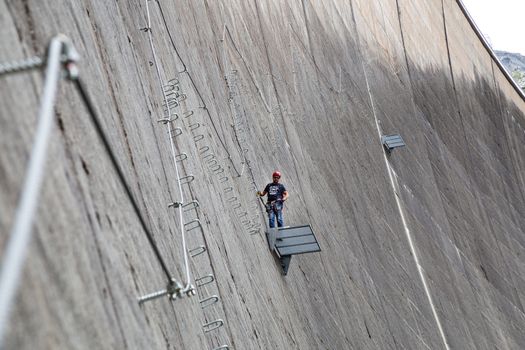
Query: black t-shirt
pixel 275 191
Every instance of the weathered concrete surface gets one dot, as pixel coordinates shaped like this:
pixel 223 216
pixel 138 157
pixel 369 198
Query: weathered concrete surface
pixel 295 87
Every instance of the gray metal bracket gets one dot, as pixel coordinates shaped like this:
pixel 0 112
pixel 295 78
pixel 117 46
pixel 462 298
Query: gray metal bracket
pixel 285 263
pixel 391 142
pixel 291 240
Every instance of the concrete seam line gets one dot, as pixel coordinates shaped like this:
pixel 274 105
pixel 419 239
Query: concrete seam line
pixel 413 250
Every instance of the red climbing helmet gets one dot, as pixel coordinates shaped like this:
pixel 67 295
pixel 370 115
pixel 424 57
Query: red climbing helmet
pixel 276 174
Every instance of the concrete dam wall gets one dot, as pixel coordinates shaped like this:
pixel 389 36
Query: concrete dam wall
pixel 422 248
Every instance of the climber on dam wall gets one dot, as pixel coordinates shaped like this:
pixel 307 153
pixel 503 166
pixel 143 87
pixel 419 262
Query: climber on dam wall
pixel 277 194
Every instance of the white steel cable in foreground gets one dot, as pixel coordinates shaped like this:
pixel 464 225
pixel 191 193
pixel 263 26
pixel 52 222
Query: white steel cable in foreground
pixel 187 285
pixel 20 234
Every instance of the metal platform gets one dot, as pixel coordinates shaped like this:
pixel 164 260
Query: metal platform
pixel 391 142
pixel 292 240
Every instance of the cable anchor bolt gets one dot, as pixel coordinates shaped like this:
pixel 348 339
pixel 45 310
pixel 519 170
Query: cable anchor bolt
pixel 69 57
pixel 153 296
pixel 174 289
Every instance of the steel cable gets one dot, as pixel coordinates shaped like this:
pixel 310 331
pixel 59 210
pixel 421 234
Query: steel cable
pixel 20 236
pixel 194 85
pixel 187 285
pixel 96 123
pixel 21 66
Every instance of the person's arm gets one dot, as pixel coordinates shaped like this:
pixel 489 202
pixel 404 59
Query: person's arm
pixel 264 192
pixel 285 193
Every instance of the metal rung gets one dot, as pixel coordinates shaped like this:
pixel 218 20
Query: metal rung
pixel 175 132
pixel 213 325
pixel 197 138
pixel 194 221
pixel 174 81
pixel 169 88
pixel 195 126
pixel 174 90
pixel 215 167
pixel 193 203
pixel 170 102
pixel 197 251
pixel 214 161
pixel 208 301
pixel 168 120
pixel 181 157
pixel 204 280
pixel 187 179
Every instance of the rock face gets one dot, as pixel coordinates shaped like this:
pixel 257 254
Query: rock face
pixel 421 249
pixel 511 61
pixel 514 63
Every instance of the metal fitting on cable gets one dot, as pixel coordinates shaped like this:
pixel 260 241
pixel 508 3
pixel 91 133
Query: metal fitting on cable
pixel 69 56
pixel 174 290
pixel 191 291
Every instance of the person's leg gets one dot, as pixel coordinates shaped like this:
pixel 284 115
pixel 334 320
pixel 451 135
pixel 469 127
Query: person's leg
pixel 280 221
pixel 279 210
pixel 271 218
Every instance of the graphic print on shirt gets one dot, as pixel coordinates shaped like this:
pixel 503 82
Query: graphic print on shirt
pixel 275 191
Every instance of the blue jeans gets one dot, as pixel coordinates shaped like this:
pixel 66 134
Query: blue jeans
pixel 276 210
